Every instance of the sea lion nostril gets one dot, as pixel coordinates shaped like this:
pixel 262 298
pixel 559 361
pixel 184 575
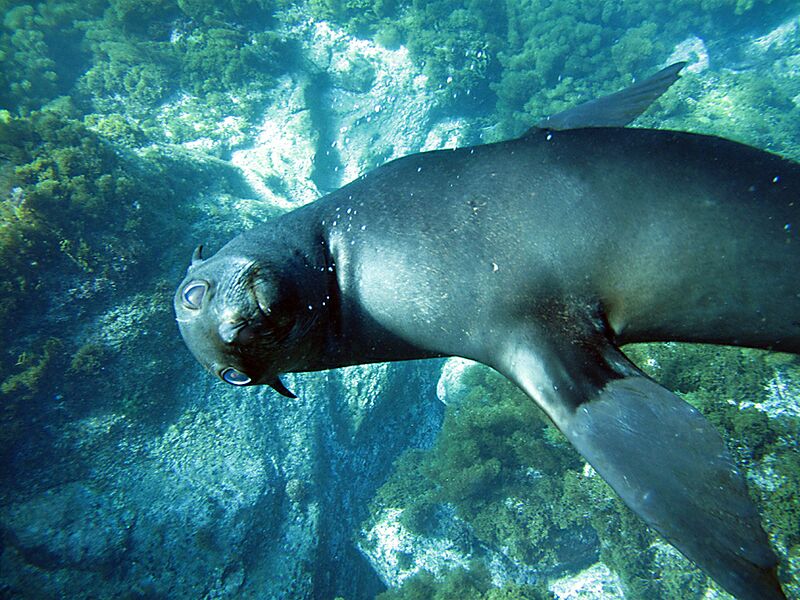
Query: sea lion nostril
pixel 228 331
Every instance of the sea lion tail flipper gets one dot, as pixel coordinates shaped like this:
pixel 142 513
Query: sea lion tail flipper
pixel 662 457
pixel 617 109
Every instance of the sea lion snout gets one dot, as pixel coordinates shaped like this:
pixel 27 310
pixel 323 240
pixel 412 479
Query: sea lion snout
pixel 224 307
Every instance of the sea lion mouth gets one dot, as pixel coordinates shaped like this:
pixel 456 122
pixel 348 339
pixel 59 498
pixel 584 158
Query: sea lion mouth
pixel 247 333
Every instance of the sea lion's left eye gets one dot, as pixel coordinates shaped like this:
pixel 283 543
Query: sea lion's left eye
pixel 234 377
pixel 193 294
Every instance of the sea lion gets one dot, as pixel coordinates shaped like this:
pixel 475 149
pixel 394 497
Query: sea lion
pixel 539 257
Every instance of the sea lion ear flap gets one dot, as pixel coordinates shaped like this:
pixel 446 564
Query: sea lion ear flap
pixel 277 385
pixel 197 256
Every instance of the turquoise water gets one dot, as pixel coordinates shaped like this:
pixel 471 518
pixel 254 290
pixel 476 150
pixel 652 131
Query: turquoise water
pixel 130 132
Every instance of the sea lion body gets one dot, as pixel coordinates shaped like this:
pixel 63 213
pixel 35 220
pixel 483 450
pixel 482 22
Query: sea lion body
pixel 664 235
pixel 668 236
pixel 539 257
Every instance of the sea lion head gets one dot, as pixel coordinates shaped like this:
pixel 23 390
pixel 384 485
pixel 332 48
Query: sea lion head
pixel 238 318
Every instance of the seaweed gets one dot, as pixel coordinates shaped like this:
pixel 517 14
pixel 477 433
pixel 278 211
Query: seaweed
pixel 360 17
pixel 469 584
pixel 516 484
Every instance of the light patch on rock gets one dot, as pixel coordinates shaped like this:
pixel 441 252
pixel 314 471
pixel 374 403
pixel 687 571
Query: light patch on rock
pixel 717 104
pixel 115 326
pixel 90 433
pixel 450 389
pixel 764 476
pixel 282 154
pixel 597 582
pixel 192 122
pixel 449 134
pixel 364 384
pixel 396 553
pixel 694 51
pixel 782 36
pixel 782 398
pixel 390 118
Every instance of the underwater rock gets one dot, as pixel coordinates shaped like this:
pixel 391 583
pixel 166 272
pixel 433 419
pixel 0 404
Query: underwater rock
pixel 595 583
pixel 397 553
pixel 373 114
pixel 782 39
pixel 692 50
pixel 279 164
pixel 205 490
pixel 240 493
pixel 451 388
pixel 72 526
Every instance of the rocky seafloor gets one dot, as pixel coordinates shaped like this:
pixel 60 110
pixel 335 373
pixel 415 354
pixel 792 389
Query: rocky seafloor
pixel 130 473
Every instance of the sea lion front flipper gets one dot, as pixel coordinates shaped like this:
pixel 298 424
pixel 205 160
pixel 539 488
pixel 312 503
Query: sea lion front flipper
pixel 661 456
pixel 617 109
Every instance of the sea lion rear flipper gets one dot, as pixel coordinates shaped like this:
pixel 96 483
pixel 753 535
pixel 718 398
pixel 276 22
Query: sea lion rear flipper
pixel 662 457
pixel 617 109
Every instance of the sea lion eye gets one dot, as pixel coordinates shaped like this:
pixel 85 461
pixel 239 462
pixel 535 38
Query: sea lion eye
pixel 234 377
pixel 193 294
